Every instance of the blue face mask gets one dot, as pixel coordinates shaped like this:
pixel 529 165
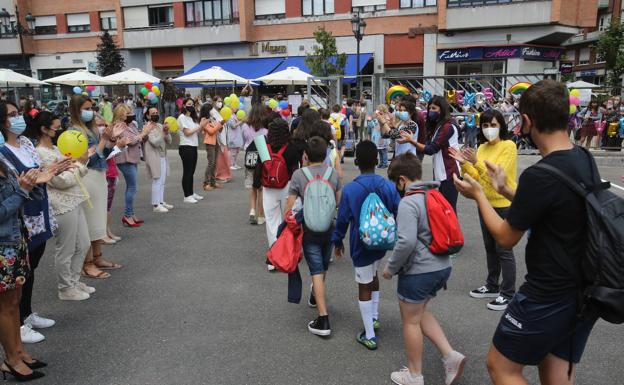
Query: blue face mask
pixel 1 140
pixel 403 115
pixel 86 115
pixel 18 125
pixel 433 116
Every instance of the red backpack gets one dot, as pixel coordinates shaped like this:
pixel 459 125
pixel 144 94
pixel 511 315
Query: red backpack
pixel 446 234
pixel 275 170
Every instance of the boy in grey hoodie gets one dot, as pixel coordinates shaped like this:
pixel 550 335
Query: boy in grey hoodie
pixel 421 275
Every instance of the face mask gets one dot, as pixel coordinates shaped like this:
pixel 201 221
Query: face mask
pixel 399 190
pixel 1 140
pixel 433 116
pixel 190 109
pixel 18 125
pixel 491 133
pixel 403 115
pixel 101 128
pixel 155 118
pixel 526 135
pixel 392 106
pixel 86 115
pixel 219 104
pixel 129 119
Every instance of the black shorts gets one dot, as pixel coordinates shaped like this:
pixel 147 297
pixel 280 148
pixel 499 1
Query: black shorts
pixel 529 330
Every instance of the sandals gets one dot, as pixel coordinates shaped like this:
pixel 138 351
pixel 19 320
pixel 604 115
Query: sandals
pixel 100 275
pixel 102 264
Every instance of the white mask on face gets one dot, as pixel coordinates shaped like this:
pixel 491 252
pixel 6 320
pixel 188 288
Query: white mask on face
pixel 491 133
pixel 219 105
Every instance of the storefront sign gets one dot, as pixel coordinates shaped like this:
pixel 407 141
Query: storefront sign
pixel 461 54
pixel 540 53
pixel 501 53
pixel 588 73
pixel 274 49
pixel 566 67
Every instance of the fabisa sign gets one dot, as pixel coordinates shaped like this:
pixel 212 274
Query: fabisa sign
pixel 499 53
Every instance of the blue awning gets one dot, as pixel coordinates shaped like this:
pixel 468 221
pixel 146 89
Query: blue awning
pixel 350 67
pixel 247 68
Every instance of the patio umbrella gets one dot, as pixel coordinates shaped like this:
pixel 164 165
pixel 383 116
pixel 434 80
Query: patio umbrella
pixel 131 76
pixel 291 75
pixel 79 78
pixel 582 84
pixel 10 78
pixel 216 75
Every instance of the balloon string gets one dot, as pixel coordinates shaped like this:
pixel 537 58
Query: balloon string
pixel 84 190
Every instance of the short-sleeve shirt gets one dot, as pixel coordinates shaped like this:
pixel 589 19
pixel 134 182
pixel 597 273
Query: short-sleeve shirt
pixel 187 122
pixel 299 181
pixel 556 219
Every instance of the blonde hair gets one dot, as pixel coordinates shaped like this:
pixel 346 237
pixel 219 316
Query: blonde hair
pixel 118 113
pixel 382 108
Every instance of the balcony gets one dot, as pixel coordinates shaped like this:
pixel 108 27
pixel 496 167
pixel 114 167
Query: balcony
pixel 583 38
pixel 479 14
pixel 10 46
pixel 603 4
pixel 180 37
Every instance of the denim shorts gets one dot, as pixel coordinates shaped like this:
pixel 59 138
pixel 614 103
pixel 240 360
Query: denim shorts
pixel 317 255
pixel 529 330
pixel 418 288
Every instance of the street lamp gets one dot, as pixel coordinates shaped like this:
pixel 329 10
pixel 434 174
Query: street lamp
pixel 358 25
pixel 18 29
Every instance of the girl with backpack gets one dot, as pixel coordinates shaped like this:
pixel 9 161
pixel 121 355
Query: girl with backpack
pixel 275 176
pixel 497 149
pixel 255 125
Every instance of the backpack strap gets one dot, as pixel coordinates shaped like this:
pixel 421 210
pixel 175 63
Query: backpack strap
pixel 328 173
pixel 564 178
pixel 281 150
pixel 307 173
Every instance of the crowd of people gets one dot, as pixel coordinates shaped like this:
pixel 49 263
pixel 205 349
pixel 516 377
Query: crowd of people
pixel 49 197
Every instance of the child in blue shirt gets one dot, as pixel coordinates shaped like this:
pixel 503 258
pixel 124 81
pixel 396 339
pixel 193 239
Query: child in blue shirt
pixel 366 262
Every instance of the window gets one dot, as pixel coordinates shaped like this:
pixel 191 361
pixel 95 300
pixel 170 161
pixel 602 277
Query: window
pixel 472 3
pixel 367 5
pixel 135 17
pixel 477 67
pixel 317 7
pixel 160 16
pixel 270 9
pixel 603 22
pixel 78 22
pixel 418 3
pixel 584 56
pixel 45 25
pixel 108 20
pixel 211 12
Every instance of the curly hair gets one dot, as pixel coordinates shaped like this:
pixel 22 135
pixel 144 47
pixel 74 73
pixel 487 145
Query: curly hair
pixel 279 134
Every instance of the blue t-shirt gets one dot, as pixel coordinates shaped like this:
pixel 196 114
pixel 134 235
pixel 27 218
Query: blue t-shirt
pixel 353 196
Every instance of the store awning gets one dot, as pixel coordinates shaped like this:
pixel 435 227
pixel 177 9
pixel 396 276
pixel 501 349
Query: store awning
pixel 246 68
pixel 350 67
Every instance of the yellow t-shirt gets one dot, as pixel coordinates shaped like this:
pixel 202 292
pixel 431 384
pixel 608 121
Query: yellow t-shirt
pixel 503 153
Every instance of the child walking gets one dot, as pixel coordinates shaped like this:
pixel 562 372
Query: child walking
pixel 421 275
pixel 365 261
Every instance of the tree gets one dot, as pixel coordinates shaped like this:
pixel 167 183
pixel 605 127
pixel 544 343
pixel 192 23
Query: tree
pixel 610 48
pixel 109 59
pixel 325 59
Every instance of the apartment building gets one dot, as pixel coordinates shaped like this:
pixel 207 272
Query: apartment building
pixel 580 60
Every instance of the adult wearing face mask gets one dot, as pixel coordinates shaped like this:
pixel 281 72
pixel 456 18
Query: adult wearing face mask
pixel 497 149
pixel 125 128
pixel 406 116
pixel 156 158
pixel 223 173
pixel 189 127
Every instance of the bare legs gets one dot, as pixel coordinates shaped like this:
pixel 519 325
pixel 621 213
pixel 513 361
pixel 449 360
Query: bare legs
pixel 318 287
pixel 552 370
pixel 10 338
pixel 255 202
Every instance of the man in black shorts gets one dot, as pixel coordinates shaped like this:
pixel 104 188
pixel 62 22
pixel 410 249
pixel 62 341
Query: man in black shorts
pixel 540 327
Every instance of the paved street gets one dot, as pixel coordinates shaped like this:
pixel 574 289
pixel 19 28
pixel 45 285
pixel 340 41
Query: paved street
pixel 194 304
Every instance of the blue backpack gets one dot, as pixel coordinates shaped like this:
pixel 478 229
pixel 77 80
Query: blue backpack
pixel 319 201
pixel 378 230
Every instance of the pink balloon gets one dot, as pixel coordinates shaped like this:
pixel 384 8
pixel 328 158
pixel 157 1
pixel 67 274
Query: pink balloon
pixel 575 100
pixel 90 88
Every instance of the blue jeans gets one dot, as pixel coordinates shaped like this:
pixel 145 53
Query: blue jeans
pixel 129 171
pixel 383 157
pixel 317 255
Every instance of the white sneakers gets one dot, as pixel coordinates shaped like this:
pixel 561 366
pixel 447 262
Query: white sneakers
pixel 404 377
pixel 197 197
pixel 36 321
pixel 454 367
pixel 83 287
pixel 261 220
pixel 190 199
pixel 30 336
pixel 73 294
pixel 160 209
pixel 166 205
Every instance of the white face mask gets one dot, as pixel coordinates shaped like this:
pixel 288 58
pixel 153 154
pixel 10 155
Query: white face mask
pixel 219 104
pixel 491 133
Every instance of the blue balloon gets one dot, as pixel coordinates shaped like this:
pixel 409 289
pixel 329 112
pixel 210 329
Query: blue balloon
pixel 241 99
pixel 77 90
pixel 283 104
pixel 157 84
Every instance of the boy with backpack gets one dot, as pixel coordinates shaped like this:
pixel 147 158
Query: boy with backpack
pixel 568 211
pixel 428 233
pixel 367 203
pixel 318 187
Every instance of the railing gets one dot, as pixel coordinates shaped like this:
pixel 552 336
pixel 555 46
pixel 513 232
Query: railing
pixel 474 3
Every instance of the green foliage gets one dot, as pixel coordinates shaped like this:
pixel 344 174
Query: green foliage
pixel 610 48
pixel 325 59
pixel 109 59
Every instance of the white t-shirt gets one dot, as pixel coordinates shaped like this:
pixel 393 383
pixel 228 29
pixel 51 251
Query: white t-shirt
pixel 187 122
pixel 23 155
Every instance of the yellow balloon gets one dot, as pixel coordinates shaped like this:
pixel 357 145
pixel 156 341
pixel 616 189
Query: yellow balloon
pixel 72 144
pixel 234 103
pixel 172 123
pixel 226 113
pixel 272 103
pixel 572 109
pixel 241 114
pixel 575 92
pixel 227 101
pixel 156 90
pixel 232 97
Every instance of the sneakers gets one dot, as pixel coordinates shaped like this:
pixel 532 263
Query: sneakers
pixel 261 220
pixel 454 366
pixel 37 322
pixel 190 199
pixel 30 336
pixel 500 303
pixel 484 292
pixel 376 324
pixel 404 377
pixel 370 344
pixel 160 209
pixel 312 299
pixel 166 205
pixel 252 217
pixel 72 294
pixel 83 287
pixel 270 267
pixel 320 326
pixel 197 197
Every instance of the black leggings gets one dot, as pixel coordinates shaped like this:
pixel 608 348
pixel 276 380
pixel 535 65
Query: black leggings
pixel 188 154
pixel 34 256
pixel 448 190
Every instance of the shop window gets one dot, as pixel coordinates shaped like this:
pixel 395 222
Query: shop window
pixel 108 21
pixel 211 12
pixel 159 16
pixel 476 67
pixel 317 7
pixel 417 3
pixel 45 25
pixel 78 22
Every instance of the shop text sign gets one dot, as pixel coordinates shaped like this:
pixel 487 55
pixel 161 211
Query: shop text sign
pixel 500 53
